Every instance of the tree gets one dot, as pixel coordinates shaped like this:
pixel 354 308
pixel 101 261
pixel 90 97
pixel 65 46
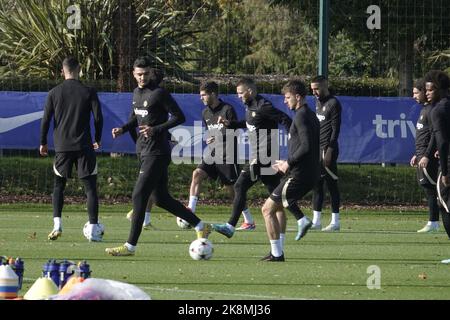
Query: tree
pixel 34 38
pixel 403 25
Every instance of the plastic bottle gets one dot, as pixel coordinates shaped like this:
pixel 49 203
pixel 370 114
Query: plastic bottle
pixel 19 269
pixel 53 271
pixel 85 271
pixel 63 273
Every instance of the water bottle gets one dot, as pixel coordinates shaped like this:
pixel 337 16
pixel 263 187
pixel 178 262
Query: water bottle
pixel 19 269
pixel 45 269
pixel 85 271
pixel 63 273
pixel 53 271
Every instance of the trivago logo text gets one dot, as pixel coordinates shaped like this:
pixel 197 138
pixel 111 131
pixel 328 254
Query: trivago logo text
pixel 387 128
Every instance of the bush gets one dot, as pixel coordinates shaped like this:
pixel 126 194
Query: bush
pixel 359 184
pixel 376 87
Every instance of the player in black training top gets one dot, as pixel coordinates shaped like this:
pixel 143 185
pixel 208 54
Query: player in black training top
pixel 437 84
pixel 220 157
pixel 301 169
pixel 70 104
pixel 328 110
pixel 152 105
pixel 425 148
pixel 146 225
pixel 261 121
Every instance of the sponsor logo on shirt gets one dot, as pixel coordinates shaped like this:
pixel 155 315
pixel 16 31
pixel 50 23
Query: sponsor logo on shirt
pixel 320 117
pixel 217 126
pixel 140 112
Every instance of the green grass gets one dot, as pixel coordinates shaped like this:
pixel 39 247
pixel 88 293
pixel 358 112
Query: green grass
pixel 320 266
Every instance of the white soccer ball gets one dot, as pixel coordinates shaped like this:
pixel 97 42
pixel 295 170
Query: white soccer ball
pixel 93 231
pixel 183 224
pixel 201 249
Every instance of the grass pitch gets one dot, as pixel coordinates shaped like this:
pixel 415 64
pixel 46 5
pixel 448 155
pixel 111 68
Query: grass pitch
pixel 320 266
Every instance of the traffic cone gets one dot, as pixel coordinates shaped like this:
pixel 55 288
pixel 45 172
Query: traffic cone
pixel 41 289
pixel 9 283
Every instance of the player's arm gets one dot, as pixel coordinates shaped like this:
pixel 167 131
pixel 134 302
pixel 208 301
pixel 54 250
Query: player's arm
pixel 172 107
pixel 98 117
pixel 442 140
pixel 336 112
pixel 130 125
pixel 233 124
pixel 49 111
pixel 132 131
pixel 429 153
pixel 273 114
pixel 305 143
pixel 209 139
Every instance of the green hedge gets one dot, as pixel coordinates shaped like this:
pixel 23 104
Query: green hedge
pixel 366 184
pixel 377 87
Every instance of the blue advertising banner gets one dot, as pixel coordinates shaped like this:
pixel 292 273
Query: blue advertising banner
pixel 373 130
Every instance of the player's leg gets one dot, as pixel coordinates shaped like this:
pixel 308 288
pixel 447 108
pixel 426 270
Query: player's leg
pixel 243 183
pixel 198 175
pixel 87 171
pixel 148 211
pixel 149 175
pixel 147 219
pixel 146 224
pixel 269 211
pixel 427 177
pixel 58 203
pixel 331 178
pixel 433 209
pixel 317 202
pixel 164 200
pixel 292 190
pixel 62 169
pixel 228 175
pixel 272 182
pixel 282 220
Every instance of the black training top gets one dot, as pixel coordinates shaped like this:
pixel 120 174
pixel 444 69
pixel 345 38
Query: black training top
pixel 440 116
pixel 71 104
pixel 328 112
pixel 423 132
pixel 261 117
pixel 303 143
pixel 210 117
pixel 151 107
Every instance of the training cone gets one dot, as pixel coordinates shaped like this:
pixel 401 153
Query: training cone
pixel 41 290
pixel 9 283
pixel 70 283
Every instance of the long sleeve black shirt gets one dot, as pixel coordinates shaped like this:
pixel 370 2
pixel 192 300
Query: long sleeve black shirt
pixel 424 147
pixel 328 112
pixel 440 116
pixel 210 117
pixel 260 118
pixel 71 104
pixel 151 107
pixel 304 144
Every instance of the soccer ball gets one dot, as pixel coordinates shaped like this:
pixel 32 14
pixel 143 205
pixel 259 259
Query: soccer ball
pixel 201 249
pixel 93 232
pixel 183 224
